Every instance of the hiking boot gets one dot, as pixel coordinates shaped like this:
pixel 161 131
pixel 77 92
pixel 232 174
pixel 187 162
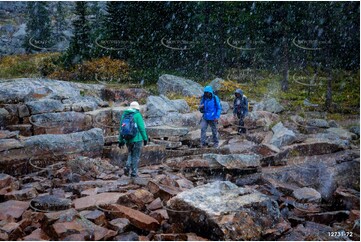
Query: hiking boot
pixel 126 171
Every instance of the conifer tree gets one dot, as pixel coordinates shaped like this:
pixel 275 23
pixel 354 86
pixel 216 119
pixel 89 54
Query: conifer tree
pixel 38 28
pixel 116 30
pixel 80 44
pixel 60 24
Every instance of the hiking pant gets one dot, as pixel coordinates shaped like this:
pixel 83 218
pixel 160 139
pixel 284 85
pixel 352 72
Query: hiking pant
pixel 134 150
pixel 241 128
pixel 204 126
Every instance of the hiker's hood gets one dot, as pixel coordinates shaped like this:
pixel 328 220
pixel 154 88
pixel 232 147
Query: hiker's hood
pixel 239 91
pixel 208 89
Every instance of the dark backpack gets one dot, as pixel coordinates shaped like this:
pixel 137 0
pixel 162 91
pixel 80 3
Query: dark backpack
pixel 244 104
pixel 128 128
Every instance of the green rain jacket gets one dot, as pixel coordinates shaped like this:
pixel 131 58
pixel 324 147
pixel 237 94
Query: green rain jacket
pixel 138 119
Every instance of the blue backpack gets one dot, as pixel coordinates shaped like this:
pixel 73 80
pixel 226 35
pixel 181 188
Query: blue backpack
pixel 128 128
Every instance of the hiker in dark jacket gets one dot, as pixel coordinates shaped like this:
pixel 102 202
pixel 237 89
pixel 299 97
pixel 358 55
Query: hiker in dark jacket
pixel 134 144
pixel 210 106
pixel 240 109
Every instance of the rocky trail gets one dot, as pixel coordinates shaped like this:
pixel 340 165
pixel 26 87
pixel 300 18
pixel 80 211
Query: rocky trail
pixel 61 176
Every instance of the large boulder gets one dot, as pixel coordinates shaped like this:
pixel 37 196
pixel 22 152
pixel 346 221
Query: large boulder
pixel 50 148
pixel 216 84
pixel 30 89
pixel 174 84
pixel 60 123
pixel 260 118
pixel 45 106
pixel 180 105
pixel 342 133
pixel 324 173
pixel 270 105
pixel 224 211
pixel 191 120
pixel 158 106
pixel 310 147
pixel 282 136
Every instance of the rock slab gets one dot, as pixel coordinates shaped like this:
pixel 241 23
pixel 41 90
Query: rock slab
pixel 224 211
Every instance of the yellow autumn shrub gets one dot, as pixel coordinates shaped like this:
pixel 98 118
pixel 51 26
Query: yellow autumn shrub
pixel 193 102
pixel 24 65
pixel 103 69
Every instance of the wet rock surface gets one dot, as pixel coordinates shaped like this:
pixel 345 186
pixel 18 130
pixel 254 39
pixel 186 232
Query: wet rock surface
pixel 62 172
pixel 169 83
pixel 226 210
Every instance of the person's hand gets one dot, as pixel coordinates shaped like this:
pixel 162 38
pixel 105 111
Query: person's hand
pixel 121 144
pixel 145 142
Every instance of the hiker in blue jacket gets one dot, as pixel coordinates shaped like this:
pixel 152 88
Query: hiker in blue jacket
pixel 210 106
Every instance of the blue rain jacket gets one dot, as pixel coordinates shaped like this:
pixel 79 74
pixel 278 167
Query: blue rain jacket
pixel 212 107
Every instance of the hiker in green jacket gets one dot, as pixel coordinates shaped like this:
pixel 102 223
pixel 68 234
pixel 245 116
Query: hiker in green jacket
pixel 132 134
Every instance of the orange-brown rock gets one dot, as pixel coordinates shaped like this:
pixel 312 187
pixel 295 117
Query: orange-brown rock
pixel 13 209
pixel 5 180
pixel 156 204
pixel 170 237
pixel 34 217
pixel 96 216
pixel 21 195
pixel 163 191
pixel 37 235
pixel 90 202
pixel 136 198
pixel 160 215
pixel 13 230
pixel 83 229
pixel 137 218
